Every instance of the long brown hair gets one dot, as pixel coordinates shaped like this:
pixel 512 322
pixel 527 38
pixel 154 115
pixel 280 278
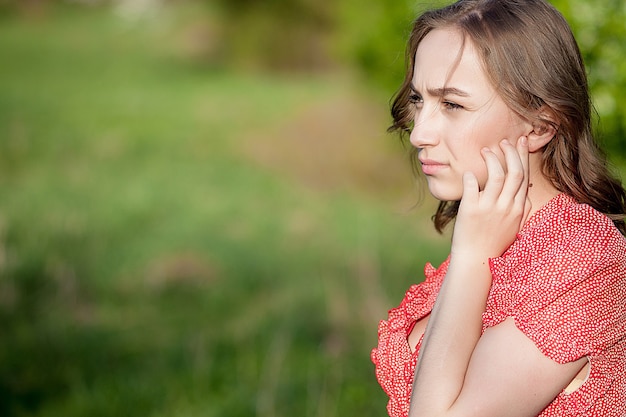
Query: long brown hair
pixel 530 55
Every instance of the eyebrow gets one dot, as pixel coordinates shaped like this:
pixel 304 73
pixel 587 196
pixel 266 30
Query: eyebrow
pixel 444 91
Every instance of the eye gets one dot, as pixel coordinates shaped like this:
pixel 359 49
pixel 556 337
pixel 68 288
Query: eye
pixel 449 105
pixel 415 99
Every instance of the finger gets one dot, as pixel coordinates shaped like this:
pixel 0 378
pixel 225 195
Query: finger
pixel 515 176
pixel 522 150
pixel 519 160
pixel 524 156
pixel 495 175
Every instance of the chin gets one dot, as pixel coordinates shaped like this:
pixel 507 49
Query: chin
pixel 442 195
pixel 444 190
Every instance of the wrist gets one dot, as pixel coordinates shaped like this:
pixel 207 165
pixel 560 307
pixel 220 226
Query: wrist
pixel 469 257
pixel 469 264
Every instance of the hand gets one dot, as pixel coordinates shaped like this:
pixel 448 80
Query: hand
pixel 489 220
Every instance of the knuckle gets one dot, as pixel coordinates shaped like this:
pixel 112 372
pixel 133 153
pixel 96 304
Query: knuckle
pixel 517 175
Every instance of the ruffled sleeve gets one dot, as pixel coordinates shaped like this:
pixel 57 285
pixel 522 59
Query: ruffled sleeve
pixel 570 298
pixel 564 283
pixel 393 358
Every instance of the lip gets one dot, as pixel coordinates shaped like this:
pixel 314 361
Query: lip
pixel 431 167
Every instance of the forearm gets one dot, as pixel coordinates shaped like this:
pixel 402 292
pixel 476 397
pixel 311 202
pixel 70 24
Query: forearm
pixel 453 331
pixel 486 224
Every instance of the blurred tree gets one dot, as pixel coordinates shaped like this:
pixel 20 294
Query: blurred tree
pixel 277 34
pixel 600 28
pixel 30 8
pixel 313 35
pixel 373 38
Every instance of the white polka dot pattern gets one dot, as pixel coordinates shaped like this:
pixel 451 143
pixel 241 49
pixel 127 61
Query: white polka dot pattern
pixel 564 282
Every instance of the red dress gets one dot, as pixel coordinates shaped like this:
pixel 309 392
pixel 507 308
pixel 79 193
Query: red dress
pixel 563 281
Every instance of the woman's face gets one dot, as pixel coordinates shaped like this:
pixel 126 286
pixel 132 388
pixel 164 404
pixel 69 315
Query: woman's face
pixel 457 113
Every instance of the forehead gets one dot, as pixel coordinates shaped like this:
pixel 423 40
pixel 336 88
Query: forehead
pixel 444 59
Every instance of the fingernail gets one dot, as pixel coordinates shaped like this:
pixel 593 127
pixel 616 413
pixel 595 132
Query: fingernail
pixel 524 140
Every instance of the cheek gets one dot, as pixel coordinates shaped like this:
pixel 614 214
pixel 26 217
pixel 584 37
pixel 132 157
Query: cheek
pixel 468 153
pixel 479 136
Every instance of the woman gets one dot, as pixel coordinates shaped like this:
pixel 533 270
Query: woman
pixel 527 316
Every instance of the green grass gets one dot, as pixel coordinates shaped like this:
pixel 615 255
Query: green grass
pixel 149 266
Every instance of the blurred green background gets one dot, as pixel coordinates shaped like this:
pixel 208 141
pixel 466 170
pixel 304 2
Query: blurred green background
pixel 200 211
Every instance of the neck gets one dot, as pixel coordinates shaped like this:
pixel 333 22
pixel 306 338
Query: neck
pixel 541 191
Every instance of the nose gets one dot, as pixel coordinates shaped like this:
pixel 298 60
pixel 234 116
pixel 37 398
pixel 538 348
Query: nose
pixel 425 130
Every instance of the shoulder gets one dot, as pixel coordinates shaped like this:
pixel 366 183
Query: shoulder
pixel 563 245
pixel 561 280
pixel 566 225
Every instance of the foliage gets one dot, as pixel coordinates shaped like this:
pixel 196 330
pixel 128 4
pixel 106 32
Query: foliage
pixel 301 34
pixel 601 33
pixel 277 34
pixel 375 37
pixel 147 266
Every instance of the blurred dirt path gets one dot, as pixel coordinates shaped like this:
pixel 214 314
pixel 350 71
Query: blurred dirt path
pixel 338 144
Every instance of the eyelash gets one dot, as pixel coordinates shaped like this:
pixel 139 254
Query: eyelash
pixel 416 99
pixel 452 106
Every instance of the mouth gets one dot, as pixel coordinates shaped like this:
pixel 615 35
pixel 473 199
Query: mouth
pixel 430 167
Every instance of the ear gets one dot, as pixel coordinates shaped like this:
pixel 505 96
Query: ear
pixel 544 129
